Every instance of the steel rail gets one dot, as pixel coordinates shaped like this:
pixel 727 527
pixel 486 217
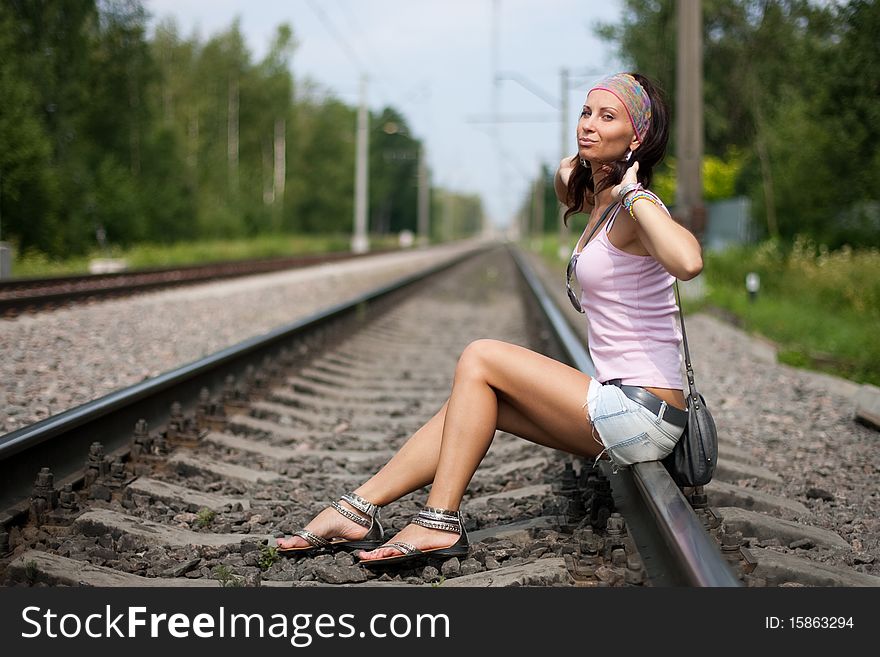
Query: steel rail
pixel 261 264
pixel 27 293
pixel 112 418
pixel 691 547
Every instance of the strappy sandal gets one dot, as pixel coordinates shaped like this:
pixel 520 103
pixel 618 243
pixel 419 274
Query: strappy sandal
pixel 432 518
pixel 369 518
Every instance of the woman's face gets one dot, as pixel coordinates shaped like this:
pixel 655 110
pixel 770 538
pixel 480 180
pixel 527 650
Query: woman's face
pixel 604 133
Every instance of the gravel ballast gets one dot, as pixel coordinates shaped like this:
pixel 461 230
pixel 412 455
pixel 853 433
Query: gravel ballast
pixel 60 359
pixel 795 423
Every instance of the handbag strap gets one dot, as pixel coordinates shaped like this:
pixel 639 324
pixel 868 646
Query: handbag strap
pixel 687 354
pixel 598 223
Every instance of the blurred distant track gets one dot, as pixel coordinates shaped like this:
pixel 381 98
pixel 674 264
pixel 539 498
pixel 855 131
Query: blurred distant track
pixel 34 294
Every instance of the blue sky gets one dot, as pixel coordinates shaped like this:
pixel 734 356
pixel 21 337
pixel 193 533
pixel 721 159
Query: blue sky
pixel 433 61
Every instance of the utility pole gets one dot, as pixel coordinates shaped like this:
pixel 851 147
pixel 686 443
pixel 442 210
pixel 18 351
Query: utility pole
pixel 5 252
pixel 564 145
pixel 689 125
pixel 538 229
pixel 447 216
pixel 424 199
pixel 496 88
pixel 232 135
pixel 359 241
pixel 280 172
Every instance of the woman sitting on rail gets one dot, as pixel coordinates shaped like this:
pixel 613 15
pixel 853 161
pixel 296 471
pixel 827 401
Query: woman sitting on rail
pixel 632 411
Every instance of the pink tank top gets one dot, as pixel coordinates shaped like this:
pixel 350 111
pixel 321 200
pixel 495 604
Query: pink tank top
pixel 631 315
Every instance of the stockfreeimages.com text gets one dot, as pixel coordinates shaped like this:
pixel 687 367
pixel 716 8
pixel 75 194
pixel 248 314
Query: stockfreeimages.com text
pixel 300 629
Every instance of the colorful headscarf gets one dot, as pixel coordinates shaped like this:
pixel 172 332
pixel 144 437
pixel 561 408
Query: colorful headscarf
pixel 634 98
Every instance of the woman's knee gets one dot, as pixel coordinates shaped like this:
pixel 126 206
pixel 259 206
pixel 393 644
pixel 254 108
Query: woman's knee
pixel 476 359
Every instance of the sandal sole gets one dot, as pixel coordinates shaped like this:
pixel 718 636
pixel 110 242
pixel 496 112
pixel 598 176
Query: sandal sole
pixel 441 553
pixel 333 547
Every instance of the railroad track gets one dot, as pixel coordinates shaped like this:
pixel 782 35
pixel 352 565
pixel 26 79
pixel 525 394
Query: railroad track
pixel 34 294
pixel 255 440
pixel 768 538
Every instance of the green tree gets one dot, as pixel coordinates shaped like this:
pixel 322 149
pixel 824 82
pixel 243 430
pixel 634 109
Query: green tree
pixel 51 48
pixel 175 138
pixel 322 165
pixel 791 84
pixel 393 158
pixel 25 187
pixel 117 122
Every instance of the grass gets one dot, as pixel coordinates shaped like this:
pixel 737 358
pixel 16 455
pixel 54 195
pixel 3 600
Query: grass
pixel 205 517
pixel 821 308
pixel 268 556
pixel 31 571
pixel 143 256
pixel 226 577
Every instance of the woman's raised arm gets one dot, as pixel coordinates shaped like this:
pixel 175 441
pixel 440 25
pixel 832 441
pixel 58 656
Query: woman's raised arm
pixel 670 243
pixel 560 180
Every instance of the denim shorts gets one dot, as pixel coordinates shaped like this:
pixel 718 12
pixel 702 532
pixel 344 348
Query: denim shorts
pixel 628 431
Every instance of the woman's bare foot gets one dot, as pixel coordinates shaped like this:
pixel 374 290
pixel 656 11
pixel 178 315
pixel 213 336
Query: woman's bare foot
pixel 328 524
pixel 421 537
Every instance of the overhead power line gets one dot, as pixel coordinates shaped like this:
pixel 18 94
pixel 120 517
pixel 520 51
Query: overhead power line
pixel 345 44
pixel 340 40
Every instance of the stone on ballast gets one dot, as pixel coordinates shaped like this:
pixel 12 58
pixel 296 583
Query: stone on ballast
pixel 451 567
pixel 95 523
pixel 470 566
pixel 56 570
pixel 144 489
pixel 336 574
pixel 776 568
pixel 544 572
pixel 751 523
pixel 733 471
pixel 867 400
pixel 724 494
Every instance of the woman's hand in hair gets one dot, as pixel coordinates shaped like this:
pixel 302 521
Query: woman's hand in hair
pixel 630 176
pixel 563 173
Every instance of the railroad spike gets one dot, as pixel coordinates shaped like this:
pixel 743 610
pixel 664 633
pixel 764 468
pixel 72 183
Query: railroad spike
pixel 235 395
pixel 176 413
pixel 96 464
pixel 140 440
pixel 117 469
pixel 181 430
pixel 44 497
pixel 68 499
pixel 615 536
pixel 44 487
pixel 635 572
pixel 160 446
pixel 589 544
pixel 602 503
pixel 210 415
pixel 202 407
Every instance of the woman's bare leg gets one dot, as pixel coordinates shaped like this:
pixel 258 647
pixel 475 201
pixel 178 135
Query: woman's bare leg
pixel 415 464
pixel 494 383
pixel 410 469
